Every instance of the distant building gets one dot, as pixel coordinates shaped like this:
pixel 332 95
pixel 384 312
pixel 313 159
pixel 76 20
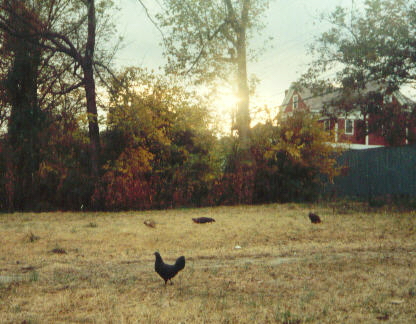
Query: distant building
pixel 349 124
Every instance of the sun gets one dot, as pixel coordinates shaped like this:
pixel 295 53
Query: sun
pixel 226 100
pixel 223 106
pixel 222 102
pixel 221 99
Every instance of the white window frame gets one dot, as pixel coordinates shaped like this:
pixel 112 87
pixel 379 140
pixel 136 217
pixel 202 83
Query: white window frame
pixel 295 101
pixel 388 98
pixel 336 130
pixel 352 126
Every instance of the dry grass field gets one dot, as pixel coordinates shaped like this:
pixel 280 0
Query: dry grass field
pixel 358 266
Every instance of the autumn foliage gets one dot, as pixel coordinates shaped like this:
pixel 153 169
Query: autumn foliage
pixel 159 150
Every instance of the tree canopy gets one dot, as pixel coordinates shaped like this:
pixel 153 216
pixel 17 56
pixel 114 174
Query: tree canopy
pixel 210 40
pixel 377 43
pixel 373 47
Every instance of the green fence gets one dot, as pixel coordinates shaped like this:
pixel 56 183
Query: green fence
pixel 376 172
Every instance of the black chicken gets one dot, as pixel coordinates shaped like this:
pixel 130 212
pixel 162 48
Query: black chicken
pixel 315 219
pixel 168 271
pixel 203 220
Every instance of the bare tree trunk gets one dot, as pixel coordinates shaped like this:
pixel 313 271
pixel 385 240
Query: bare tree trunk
pixel 93 129
pixel 89 85
pixel 243 113
pixel 245 166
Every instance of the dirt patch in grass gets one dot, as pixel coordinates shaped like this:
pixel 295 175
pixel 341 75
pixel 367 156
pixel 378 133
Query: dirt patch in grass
pixel 354 267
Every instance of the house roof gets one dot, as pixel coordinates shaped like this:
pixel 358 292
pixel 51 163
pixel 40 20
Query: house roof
pixel 402 99
pixel 315 103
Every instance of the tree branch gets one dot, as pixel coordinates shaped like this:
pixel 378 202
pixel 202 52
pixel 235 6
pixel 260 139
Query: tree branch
pixel 231 15
pixel 69 89
pixel 152 20
pixel 109 71
pixel 201 52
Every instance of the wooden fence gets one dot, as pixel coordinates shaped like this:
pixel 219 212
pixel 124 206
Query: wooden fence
pixel 376 172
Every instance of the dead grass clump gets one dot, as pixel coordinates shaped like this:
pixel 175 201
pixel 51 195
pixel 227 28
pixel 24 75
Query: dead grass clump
pixel 92 225
pixel 286 317
pixel 58 250
pixel 30 237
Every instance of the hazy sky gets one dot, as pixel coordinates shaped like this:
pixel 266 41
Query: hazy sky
pixel 292 23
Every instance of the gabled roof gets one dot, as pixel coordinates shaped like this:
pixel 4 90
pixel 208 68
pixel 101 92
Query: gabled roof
pixel 402 99
pixel 288 95
pixel 315 102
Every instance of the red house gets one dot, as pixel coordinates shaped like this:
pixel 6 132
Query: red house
pixel 350 126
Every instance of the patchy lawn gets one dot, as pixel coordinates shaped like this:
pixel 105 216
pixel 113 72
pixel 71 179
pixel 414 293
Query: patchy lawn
pixel 359 265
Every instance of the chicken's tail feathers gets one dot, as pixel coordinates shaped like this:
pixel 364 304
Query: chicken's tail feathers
pixel 180 263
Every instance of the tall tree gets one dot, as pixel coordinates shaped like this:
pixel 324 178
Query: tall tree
pixel 73 35
pixel 210 40
pixel 372 45
pixel 25 121
pixel 377 42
